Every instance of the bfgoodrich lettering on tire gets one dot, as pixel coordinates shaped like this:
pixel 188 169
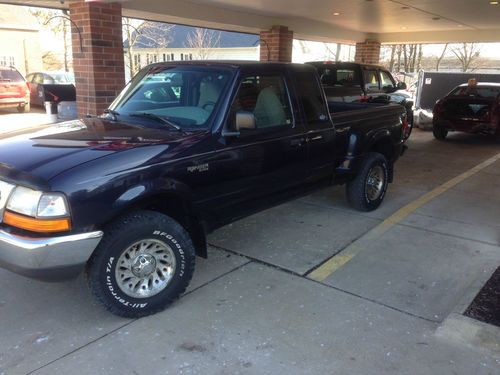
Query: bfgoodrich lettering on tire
pixel 144 262
pixel 367 191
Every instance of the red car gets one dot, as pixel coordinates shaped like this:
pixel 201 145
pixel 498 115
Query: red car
pixel 471 108
pixel 14 91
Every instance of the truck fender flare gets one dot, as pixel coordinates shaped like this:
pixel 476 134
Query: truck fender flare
pixel 145 194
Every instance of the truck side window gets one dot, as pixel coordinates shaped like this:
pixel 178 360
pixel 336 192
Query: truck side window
pixel 386 81
pixel 371 80
pixel 311 96
pixel 265 96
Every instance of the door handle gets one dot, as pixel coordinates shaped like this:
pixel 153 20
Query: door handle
pixel 315 138
pixel 297 142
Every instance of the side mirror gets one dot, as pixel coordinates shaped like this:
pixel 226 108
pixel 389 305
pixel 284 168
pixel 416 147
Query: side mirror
pixel 401 86
pixel 245 120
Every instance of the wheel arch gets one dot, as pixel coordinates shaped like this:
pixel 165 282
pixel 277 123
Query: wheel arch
pixel 174 202
pixel 382 143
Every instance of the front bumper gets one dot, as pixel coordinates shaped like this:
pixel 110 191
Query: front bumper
pixel 48 259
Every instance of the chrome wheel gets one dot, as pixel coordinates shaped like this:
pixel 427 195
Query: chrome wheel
pixel 145 268
pixel 375 183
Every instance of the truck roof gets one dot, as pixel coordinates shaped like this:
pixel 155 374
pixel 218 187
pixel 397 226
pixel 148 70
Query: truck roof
pixel 344 64
pixel 237 64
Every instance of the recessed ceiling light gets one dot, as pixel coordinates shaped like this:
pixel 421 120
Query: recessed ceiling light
pixel 336 14
pixel 493 2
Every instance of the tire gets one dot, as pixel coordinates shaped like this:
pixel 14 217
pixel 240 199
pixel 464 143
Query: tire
pixel 367 191
pixel 439 132
pixel 21 108
pixel 409 113
pixel 144 262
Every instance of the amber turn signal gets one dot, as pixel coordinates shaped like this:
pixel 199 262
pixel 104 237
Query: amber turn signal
pixel 36 225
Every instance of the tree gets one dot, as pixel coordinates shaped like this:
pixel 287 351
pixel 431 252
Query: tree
pixel 144 34
pixel 55 21
pixel 131 34
pixel 203 41
pixel 467 54
pixel 440 58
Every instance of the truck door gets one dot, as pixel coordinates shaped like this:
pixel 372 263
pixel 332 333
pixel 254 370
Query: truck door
pixel 269 158
pixel 320 133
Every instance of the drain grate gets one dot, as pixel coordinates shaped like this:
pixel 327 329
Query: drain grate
pixel 486 305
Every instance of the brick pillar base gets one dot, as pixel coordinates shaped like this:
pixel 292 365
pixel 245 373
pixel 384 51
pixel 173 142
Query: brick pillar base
pixel 99 68
pixel 368 52
pixel 276 44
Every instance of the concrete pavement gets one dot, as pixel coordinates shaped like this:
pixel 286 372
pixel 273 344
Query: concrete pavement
pixel 252 309
pixel 12 121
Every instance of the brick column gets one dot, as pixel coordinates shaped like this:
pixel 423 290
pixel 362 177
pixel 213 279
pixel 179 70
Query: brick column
pixel 276 44
pixel 368 52
pixel 99 69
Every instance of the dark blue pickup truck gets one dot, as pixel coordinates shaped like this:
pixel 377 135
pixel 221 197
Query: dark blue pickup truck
pixel 184 149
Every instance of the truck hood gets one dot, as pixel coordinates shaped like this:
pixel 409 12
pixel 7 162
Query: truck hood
pixel 33 158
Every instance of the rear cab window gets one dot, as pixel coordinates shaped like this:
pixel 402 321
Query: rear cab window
pixel 311 98
pixel 339 77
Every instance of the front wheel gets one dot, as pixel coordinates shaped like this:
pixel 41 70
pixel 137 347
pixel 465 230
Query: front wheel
pixel 144 262
pixel 367 191
pixel 21 108
pixel 409 127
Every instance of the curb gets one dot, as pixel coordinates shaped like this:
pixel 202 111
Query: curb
pixel 471 333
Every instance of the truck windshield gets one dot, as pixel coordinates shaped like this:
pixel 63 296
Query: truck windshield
pixel 182 95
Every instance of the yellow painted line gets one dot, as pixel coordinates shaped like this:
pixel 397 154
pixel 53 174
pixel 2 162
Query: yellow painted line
pixel 337 261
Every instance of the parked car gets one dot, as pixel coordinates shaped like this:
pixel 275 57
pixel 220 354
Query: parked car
pixel 51 87
pixel 471 107
pixel 130 196
pixel 350 82
pixel 14 92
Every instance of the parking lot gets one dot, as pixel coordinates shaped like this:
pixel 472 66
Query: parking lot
pixel 307 287
pixel 11 121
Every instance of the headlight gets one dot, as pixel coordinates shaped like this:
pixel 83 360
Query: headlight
pixel 39 212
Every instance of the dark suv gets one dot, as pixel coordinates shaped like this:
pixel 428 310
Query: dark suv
pixel 14 91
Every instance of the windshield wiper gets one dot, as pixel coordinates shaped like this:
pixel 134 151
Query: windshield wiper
pixel 163 120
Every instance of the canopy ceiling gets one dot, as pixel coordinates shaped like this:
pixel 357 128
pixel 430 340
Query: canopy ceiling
pixel 388 21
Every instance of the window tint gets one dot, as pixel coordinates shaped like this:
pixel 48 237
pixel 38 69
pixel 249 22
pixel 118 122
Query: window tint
pixel 371 80
pixel 339 77
pixel 480 92
pixel 386 81
pixel 310 95
pixel 267 98
pixel 10 75
pixel 186 96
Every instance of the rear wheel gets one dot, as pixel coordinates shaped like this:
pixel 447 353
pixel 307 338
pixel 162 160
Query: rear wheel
pixel 144 262
pixel 367 191
pixel 439 132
